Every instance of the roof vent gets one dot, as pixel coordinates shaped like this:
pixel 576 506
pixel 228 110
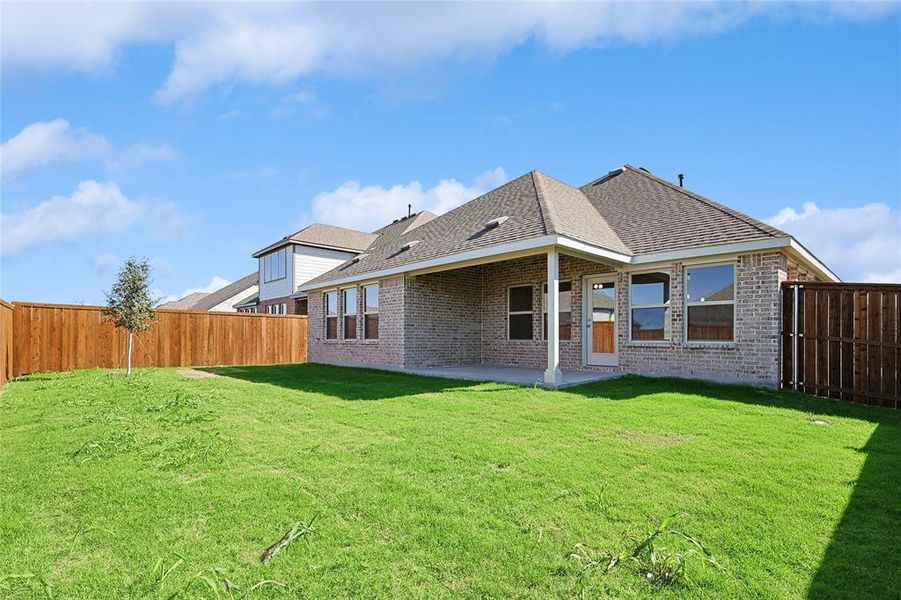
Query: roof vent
pixel 645 170
pixel 358 258
pixel 495 222
pixel 409 244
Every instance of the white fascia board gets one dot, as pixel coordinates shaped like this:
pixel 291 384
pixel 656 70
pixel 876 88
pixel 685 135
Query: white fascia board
pixel 740 248
pixel 813 261
pixel 270 247
pixel 592 250
pixel 471 256
pixel 479 256
pixel 501 252
pixel 279 244
pixel 786 243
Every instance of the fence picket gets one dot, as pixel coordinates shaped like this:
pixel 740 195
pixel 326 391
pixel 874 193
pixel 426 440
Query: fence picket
pixel 59 337
pixel 848 338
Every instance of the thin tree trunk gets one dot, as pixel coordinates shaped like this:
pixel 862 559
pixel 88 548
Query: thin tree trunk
pixel 130 336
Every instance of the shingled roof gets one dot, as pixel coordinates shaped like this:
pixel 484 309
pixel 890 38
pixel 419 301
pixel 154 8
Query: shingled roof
pixel 324 236
pixel 629 213
pixel 535 205
pixel 185 303
pixel 652 215
pixel 226 292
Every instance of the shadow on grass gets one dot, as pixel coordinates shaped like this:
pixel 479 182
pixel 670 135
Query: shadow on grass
pixel 862 558
pixel 342 382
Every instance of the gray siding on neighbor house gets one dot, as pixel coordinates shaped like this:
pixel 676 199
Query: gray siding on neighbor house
pixel 460 317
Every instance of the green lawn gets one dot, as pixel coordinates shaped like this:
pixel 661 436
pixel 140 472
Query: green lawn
pixel 160 485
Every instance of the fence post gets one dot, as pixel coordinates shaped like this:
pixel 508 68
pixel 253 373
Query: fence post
pixel 795 333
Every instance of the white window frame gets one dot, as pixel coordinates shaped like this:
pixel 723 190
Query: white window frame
pixel 664 271
pixel 686 303
pixel 355 313
pixel 367 312
pixel 269 260
pixel 544 310
pixel 531 311
pixel 326 316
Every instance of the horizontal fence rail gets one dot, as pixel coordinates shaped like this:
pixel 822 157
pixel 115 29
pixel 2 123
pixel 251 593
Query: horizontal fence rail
pixel 61 337
pixel 843 340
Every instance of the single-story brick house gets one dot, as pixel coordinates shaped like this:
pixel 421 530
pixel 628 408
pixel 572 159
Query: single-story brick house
pixel 627 272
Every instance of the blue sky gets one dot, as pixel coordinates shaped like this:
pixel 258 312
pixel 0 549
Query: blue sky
pixel 194 134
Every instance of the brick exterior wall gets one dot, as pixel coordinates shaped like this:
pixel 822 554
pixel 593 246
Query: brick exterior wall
pixel 443 324
pixel 388 350
pixel 498 277
pixel 293 305
pixel 753 357
pixel 460 317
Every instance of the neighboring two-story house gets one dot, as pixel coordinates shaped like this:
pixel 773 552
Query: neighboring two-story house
pixel 297 258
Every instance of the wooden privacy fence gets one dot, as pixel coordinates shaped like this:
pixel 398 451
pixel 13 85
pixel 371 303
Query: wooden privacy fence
pixel 842 340
pixel 60 337
pixel 6 341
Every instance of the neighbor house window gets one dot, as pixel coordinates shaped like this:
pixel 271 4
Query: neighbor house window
pixel 650 307
pixel 710 303
pixel 349 303
pixel 519 312
pixel 331 315
pixel 371 311
pixel 275 265
pixel 564 309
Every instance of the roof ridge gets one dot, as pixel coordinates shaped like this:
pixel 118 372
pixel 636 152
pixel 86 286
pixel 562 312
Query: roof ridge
pixel 747 219
pixel 583 197
pixel 547 216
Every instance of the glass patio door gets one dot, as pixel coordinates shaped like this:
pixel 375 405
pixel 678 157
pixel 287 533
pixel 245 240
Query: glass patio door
pixel 599 315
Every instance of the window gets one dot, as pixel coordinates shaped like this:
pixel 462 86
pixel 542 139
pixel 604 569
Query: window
pixel 710 303
pixel 283 308
pixel 275 265
pixel 331 315
pixel 371 311
pixel 519 312
pixel 564 309
pixel 650 307
pixel 349 302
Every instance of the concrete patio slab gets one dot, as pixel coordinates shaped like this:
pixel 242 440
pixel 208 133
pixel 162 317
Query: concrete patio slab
pixel 515 375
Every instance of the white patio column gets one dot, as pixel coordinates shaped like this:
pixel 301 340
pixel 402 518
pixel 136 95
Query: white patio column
pixel 553 375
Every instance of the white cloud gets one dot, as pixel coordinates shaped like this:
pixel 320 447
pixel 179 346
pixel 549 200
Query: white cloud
pixel 860 244
pixel 104 263
pixel 45 142
pixel 277 43
pixel 306 99
pixel 93 209
pixel 215 283
pixel 140 153
pixel 368 207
